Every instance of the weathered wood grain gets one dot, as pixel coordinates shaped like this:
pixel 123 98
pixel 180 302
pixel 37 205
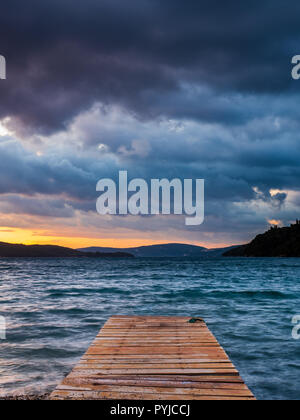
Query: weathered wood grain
pixel 154 358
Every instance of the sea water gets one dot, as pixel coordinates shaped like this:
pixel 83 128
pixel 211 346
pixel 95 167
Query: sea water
pixel 53 309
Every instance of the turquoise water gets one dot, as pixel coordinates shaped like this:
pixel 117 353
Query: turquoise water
pixel 54 308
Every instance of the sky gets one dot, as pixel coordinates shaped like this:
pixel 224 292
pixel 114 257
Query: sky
pixel 162 89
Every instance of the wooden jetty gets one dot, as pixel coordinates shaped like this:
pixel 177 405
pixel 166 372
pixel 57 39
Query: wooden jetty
pixel 154 358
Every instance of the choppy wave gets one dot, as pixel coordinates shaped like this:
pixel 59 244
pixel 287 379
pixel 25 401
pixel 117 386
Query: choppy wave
pixel 54 308
pixel 198 293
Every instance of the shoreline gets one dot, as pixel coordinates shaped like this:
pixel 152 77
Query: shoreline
pixel 29 397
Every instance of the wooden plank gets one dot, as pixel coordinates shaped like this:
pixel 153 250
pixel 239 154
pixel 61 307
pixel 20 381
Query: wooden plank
pixel 151 358
pixel 157 390
pixel 160 357
pixel 154 358
pixel 94 363
pixel 231 379
pixel 78 380
pixel 160 371
pixel 153 350
pixel 164 340
pixel 145 345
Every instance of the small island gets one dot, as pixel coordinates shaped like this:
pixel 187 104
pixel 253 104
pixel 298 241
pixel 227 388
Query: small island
pixel 51 251
pixel 276 242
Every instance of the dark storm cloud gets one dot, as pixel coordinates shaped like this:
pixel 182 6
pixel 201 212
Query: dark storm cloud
pixel 65 55
pixel 17 204
pixel 197 89
pixel 23 172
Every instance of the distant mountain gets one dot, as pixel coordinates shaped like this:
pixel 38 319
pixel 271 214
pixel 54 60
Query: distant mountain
pixel 218 252
pixel 276 242
pixel 32 251
pixel 164 250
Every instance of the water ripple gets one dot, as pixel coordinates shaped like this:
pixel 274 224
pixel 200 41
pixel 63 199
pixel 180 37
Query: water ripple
pixel 54 308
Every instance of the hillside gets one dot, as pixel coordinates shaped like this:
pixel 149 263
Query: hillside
pixel 276 242
pixel 165 250
pixel 33 251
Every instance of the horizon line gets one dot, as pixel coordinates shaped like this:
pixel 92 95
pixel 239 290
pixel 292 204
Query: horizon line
pixel 122 248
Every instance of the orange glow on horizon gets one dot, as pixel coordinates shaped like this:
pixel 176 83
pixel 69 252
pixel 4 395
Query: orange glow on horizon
pixel 29 237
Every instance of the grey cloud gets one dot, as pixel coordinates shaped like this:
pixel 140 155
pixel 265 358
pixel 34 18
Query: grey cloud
pixel 64 56
pixel 34 206
pixel 207 92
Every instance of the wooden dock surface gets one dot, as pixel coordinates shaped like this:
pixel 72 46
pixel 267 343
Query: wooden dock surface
pixel 154 358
